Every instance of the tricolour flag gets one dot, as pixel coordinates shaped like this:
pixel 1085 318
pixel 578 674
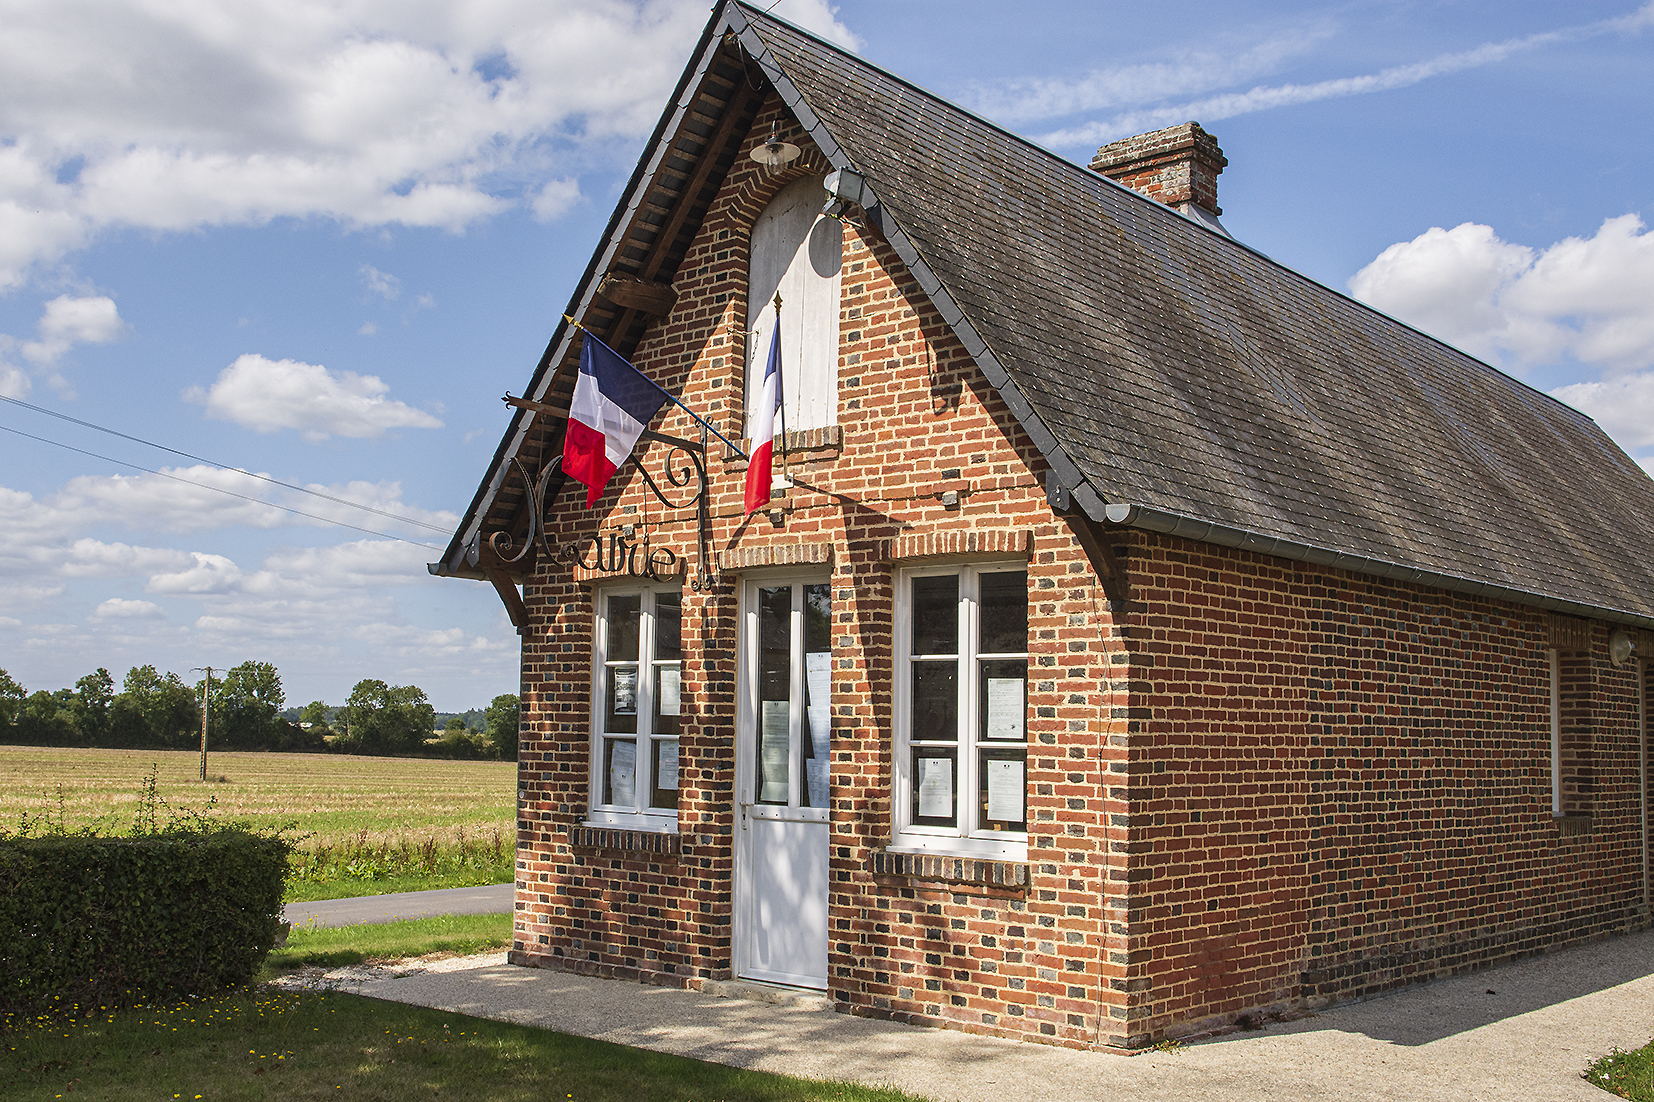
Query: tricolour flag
pixel 613 401
pixel 760 468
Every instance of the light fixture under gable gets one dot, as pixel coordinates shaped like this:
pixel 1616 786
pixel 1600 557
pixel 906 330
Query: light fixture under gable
pixel 775 152
pixel 1621 646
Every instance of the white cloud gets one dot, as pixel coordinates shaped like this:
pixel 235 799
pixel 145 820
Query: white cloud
pixel 191 114
pixel 1624 407
pixel 1591 299
pixel 117 608
pixel 820 17
pixel 69 321
pixel 1262 98
pixel 13 382
pixel 554 200
pixel 380 283
pixel 207 574
pixel 270 395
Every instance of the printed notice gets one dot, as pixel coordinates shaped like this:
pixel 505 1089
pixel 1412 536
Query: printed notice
pixel 625 683
pixel 815 772
pixel 772 752
pixel 936 788
pixel 666 767
pixel 670 690
pixel 818 679
pixel 1007 707
pixel 622 773
pixel 1005 791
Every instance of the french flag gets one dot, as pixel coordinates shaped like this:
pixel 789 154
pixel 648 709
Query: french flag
pixel 613 401
pixel 760 468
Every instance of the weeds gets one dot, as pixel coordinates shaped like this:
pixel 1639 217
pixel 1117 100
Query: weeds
pixel 366 857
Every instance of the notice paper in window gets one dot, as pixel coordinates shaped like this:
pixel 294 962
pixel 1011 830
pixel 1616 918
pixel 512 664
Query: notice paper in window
pixel 670 690
pixel 666 772
pixel 818 679
pixel 622 771
pixel 625 702
pixel 936 788
pixel 772 752
pixel 1007 707
pixel 1005 789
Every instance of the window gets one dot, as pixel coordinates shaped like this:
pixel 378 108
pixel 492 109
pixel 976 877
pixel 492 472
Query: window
pixel 636 703
pixel 799 252
pixel 962 709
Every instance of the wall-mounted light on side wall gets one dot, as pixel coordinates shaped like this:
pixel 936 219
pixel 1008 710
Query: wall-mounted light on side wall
pixel 1621 646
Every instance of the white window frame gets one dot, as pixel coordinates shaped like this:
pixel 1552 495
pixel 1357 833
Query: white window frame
pixel 965 839
pixel 638 815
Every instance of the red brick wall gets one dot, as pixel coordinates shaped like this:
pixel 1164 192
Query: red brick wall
pixel 915 419
pixel 1341 784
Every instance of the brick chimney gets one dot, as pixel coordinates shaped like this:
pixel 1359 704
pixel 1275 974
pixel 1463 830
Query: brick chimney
pixel 1178 166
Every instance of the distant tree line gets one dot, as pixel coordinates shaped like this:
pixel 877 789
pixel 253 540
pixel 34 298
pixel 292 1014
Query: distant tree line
pixel 247 705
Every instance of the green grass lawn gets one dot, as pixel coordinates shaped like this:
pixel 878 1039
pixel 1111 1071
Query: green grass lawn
pixel 334 947
pixel 261 1043
pixel 1627 1074
pixel 368 825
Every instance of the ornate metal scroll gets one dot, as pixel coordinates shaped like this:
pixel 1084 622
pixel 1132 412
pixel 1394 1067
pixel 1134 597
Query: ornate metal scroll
pixel 685 471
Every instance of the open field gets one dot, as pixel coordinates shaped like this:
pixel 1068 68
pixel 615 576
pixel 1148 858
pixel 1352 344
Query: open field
pixel 373 824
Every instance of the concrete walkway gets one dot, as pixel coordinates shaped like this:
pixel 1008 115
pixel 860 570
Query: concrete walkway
pixel 492 899
pixel 1522 1031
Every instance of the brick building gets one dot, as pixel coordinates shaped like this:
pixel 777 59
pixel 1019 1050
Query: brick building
pixel 1144 635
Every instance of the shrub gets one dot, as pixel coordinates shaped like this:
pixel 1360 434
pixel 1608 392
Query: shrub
pixel 186 908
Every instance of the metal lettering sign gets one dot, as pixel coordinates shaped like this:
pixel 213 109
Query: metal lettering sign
pixel 621 556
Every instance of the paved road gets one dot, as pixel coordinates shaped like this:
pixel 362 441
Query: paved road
pixel 1517 1033
pixel 493 899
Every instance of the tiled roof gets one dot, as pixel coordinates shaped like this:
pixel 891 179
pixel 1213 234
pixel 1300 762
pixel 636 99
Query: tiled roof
pixel 1212 389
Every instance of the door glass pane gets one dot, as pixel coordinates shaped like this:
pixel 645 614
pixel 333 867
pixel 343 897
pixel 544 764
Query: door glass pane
pixel 1002 788
pixel 935 702
pixel 665 771
pixel 1004 602
pixel 620 772
pixel 936 615
pixel 620 699
pixel 775 628
pixel 935 786
pixel 668 626
pixel 624 614
pixel 818 680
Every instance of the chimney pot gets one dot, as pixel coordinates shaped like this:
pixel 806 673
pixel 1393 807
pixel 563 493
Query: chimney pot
pixel 1177 166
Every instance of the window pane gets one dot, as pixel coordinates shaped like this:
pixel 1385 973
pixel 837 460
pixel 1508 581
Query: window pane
pixel 935 786
pixel 620 772
pixel 665 772
pixel 668 699
pixel 936 615
pixel 775 619
pixel 1002 788
pixel 818 618
pixel 624 613
pixel 620 700
pixel 1004 602
pixel 668 629
pixel 935 701
pixel 1004 700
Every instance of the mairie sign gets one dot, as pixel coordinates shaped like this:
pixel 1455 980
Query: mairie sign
pixel 620 555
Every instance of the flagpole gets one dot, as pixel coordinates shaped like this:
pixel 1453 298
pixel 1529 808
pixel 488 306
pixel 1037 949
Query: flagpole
pixel 781 391
pixel 669 395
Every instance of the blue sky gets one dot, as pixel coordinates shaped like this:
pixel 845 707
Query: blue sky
pixel 317 241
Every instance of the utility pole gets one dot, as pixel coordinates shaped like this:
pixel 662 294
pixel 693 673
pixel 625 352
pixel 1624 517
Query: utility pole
pixel 206 710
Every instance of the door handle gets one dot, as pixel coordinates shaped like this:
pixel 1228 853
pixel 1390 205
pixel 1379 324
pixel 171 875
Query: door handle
pixel 744 806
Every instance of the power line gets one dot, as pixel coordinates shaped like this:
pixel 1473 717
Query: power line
pixel 220 466
pixel 216 489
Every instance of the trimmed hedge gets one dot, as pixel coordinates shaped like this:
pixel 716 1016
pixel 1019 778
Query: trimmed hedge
pixel 112 921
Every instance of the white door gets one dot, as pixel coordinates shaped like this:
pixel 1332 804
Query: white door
pixel 782 760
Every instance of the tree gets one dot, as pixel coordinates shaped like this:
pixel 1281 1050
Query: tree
pixel 247 707
pixel 94 693
pixel 381 719
pixel 11 701
pixel 47 719
pixel 502 718
pixel 153 710
pixel 315 714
